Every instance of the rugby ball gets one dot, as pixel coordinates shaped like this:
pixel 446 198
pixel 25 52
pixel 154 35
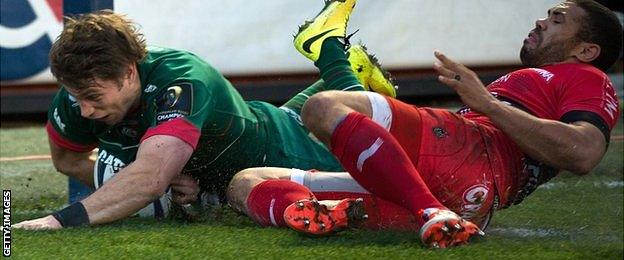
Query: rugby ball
pixel 158 209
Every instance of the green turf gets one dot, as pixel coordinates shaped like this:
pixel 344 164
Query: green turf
pixel 28 140
pixel 569 218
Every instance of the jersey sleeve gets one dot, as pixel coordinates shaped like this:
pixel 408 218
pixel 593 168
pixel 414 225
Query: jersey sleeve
pixel 66 128
pixel 181 110
pixel 589 97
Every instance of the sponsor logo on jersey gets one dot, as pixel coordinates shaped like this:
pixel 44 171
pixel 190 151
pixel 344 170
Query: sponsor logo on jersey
pixel 544 74
pixel 292 114
pixel 28 28
pixel 537 173
pixel 58 121
pixel 439 132
pixel 473 199
pixel 150 88
pixel 502 79
pixel 72 99
pixel 176 101
pixel 610 101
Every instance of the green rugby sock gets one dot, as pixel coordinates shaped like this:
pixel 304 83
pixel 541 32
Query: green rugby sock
pixel 296 103
pixel 335 67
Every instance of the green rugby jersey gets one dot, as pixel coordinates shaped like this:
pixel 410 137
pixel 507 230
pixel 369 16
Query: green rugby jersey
pixel 234 134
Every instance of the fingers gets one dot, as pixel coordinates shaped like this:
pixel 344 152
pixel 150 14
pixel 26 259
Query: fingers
pixel 451 82
pixel 450 71
pixel 182 199
pixel 185 189
pixel 29 225
pixel 445 60
pixel 443 70
pixel 19 225
pixel 184 194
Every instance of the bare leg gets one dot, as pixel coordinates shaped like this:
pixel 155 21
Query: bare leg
pixel 245 180
pixel 324 111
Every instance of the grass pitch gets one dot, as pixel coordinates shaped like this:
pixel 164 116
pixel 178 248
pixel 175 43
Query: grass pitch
pixel 569 218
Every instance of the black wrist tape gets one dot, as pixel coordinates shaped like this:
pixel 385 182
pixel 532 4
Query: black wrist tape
pixel 72 216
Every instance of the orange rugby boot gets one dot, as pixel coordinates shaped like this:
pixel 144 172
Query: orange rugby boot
pixel 319 218
pixel 443 228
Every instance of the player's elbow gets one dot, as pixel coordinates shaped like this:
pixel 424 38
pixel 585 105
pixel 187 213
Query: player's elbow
pixel 66 166
pixel 585 149
pixel 582 166
pixel 584 162
pixel 579 169
pixel 61 166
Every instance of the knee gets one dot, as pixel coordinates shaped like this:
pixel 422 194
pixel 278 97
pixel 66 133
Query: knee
pixel 317 109
pixel 240 186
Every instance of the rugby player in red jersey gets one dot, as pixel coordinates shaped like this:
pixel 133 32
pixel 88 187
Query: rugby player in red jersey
pixel 437 171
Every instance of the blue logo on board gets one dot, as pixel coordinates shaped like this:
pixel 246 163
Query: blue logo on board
pixel 28 29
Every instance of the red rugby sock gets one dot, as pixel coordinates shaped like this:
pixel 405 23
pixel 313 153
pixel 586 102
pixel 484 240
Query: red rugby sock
pixel 268 200
pixel 375 159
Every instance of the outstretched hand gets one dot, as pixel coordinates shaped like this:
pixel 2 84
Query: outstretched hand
pixel 44 223
pixel 465 82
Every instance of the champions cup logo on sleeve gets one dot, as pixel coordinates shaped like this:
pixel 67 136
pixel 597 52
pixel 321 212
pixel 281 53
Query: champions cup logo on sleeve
pixel 173 95
pixel 28 28
pixel 176 101
pixel 6 222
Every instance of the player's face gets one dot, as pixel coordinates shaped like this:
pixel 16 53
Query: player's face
pixel 554 37
pixel 109 101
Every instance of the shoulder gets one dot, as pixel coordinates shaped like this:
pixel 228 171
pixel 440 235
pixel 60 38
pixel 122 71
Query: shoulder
pixel 159 56
pixel 165 67
pixel 536 74
pixel 574 73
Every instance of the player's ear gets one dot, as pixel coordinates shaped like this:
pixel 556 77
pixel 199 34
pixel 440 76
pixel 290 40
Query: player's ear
pixel 131 71
pixel 586 52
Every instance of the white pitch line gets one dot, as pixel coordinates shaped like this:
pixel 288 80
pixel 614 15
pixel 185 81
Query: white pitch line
pixel 525 232
pixel 26 158
pixel 600 184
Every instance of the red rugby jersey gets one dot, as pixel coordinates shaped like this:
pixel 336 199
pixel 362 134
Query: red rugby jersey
pixel 550 92
pixel 566 92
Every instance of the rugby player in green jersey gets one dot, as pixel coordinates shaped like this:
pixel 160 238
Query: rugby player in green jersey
pixel 164 118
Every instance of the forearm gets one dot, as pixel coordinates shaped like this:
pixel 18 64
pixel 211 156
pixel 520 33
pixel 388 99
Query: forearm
pixel 554 143
pixel 131 190
pixel 159 159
